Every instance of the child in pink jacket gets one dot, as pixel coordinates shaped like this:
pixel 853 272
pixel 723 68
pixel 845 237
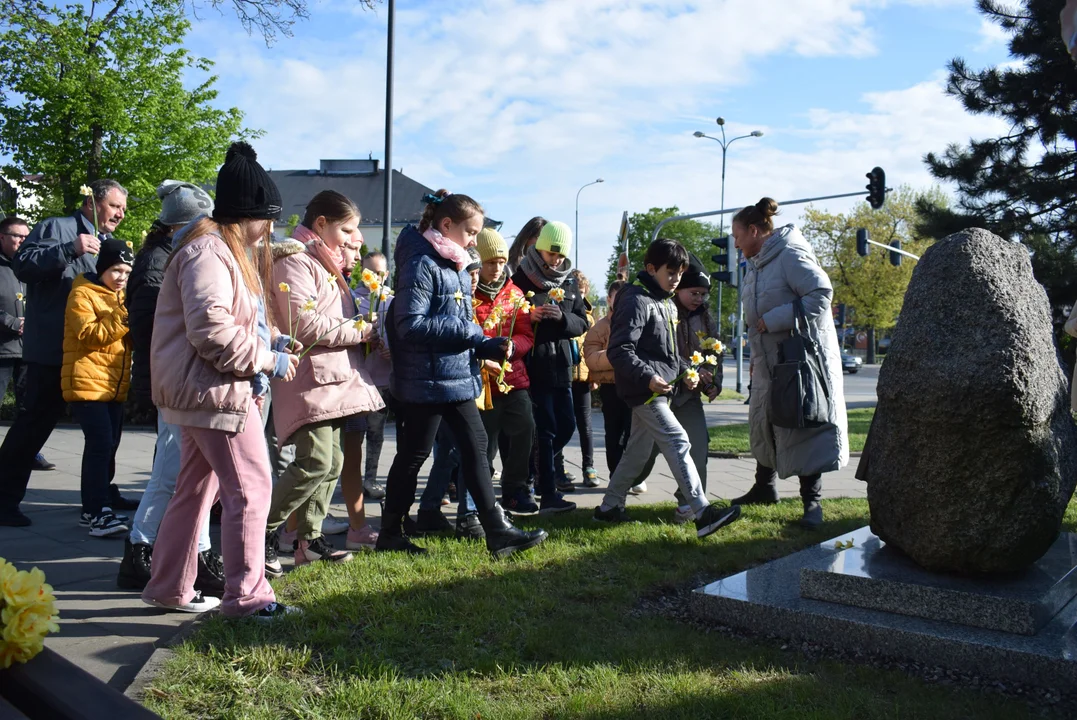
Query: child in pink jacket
pixel 209 357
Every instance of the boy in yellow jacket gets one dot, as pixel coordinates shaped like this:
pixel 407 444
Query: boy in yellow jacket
pixel 95 377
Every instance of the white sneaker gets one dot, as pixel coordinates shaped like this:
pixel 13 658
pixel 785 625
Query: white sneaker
pixel 198 604
pixel 638 489
pixel 332 526
pixel 680 517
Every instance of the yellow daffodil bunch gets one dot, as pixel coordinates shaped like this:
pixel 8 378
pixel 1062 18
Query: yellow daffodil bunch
pixel 556 295
pixel 695 361
pixel 27 613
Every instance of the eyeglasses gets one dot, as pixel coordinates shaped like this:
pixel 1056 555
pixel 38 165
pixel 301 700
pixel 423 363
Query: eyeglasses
pixel 698 294
pixel 17 237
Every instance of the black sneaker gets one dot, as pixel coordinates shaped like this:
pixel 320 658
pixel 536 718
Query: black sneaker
pixel 614 515
pixel 469 527
pixel 274 611
pixel 86 518
pixel 14 518
pixel 520 504
pixel 715 518
pixel 374 490
pixel 555 504
pixel 273 566
pixel 135 566
pixel 565 485
pixel 107 524
pixel 210 578
pixel 431 522
pixel 119 502
pixel 40 463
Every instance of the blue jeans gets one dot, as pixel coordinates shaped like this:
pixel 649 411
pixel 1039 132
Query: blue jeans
pixel 102 424
pixel 555 421
pixel 446 467
pixel 161 488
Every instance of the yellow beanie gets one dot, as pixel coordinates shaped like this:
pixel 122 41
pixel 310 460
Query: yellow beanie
pixel 490 244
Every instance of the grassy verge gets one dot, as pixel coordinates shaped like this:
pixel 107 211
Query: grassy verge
pixel 728 394
pixel 734 438
pixel 556 633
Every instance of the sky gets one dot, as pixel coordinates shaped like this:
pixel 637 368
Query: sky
pixel 519 103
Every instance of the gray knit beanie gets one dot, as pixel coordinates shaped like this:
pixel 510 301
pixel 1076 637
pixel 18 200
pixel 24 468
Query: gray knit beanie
pixel 182 202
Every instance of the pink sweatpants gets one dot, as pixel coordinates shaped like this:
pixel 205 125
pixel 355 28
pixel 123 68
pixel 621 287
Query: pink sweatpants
pixel 236 464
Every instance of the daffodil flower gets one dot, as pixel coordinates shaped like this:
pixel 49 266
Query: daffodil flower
pixel 529 294
pixel 696 358
pixel 131 245
pixel 330 279
pixel 308 306
pixel 458 296
pixel 712 360
pixel 360 324
pixel 557 295
pixel 374 286
pixel 18 296
pixel 384 297
pixel 86 191
pixel 144 234
pixel 283 287
pixel 368 276
pixel 692 375
pixel 701 334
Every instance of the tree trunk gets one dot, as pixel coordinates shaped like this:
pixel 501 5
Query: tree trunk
pixel 93 167
pixel 871 347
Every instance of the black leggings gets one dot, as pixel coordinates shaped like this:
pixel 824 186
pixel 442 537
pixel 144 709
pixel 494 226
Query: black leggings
pixel 581 405
pixel 617 418
pixel 416 439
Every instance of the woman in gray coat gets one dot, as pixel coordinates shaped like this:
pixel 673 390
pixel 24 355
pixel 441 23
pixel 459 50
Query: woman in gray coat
pixel 782 269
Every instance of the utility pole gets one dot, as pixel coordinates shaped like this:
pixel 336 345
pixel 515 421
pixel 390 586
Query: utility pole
pixel 387 219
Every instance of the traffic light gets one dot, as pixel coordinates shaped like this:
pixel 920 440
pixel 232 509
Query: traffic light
pixel 862 242
pixel 876 188
pixel 726 260
pixel 895 258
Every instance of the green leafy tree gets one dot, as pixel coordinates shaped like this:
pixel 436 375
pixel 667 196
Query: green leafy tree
pixel 1022 185
pixel 693 234
pixel 91 91
pixel 872 289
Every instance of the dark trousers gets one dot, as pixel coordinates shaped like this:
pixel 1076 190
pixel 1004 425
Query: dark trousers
pixel 14 371
pixel 617 417
pixel 555 421
pixel 102 426
pixel 43 408
pixel 510 427
pixel 811 486
pixel 581 405
pixel 415 439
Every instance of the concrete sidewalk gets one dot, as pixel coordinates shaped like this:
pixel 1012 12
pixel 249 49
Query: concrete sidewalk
pixel 111 634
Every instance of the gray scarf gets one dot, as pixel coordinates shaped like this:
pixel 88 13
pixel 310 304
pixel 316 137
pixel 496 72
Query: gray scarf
pixel 542 275
pixel 492 289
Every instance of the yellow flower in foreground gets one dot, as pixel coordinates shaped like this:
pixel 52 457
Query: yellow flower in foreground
pixel 330 279
pixel 145 234
pixel 374 286
pixel 712 360
pixel 21 587
pixel 308 306
pixel 529 294
pixel 368 277
pixel 718 347
pixel 557 294
pixel 504 387
pixel 18 296
pixel 283 287
pixel 360 324
pixel 701 334
pixel 130 245
pixel 691 375
pixel 525 308
pixel 696 358
pixel 707 343
pixel 385 294
pixel 86 191
pixel 506 366
pixel 458 296
pixel 28 624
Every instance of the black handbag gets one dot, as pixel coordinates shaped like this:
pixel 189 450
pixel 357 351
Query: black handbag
pixel 800 396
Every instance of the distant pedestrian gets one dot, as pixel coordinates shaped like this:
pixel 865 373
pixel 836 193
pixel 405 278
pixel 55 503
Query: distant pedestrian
pixel 96 375
pixel 56 251
pixel 378 364
pixel 783 273
pixel 581 388
pixel 211 355
pixel 181 203
pixel 651 372
pixel 435 346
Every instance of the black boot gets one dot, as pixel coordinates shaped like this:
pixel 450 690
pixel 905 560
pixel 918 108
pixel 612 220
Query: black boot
pixel 391 537
pixel 763 492
pixel 210 578
pixel 432 522
pixel 502 538
pixel 811 491
pixel 135 566
pixel 468 527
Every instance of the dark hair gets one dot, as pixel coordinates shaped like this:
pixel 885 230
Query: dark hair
pixel 527 236
pixel 457 208
pixel 664 251
pixel 615 287
pixel 102 187
pixel 335 207
pixel 373 255
pixel 11 221
pixel 761 215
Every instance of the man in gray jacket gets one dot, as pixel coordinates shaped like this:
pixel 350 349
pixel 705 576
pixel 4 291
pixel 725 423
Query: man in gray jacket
pixel 56 251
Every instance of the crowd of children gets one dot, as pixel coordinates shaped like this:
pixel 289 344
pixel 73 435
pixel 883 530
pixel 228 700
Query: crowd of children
pixel 478 350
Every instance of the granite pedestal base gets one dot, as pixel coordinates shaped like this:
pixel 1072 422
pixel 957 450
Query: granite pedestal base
pixel 768 599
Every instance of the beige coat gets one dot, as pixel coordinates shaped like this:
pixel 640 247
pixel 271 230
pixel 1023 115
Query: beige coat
pixel 594 352
pixel 331 381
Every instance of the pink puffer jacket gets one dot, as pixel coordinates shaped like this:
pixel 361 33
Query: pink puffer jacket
pixel 331 382
pixel 205 346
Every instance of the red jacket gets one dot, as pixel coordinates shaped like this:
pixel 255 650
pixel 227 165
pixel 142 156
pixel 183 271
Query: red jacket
pixel 522 336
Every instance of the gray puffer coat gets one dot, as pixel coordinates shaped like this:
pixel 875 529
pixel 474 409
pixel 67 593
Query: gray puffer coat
pixel 785 269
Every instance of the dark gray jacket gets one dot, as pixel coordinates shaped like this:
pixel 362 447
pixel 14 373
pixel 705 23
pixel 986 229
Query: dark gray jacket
pixel 643 340
pixel 12 307
pixel 47 263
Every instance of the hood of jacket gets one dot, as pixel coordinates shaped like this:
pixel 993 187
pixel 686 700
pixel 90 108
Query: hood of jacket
pixel 778 241
pixel 285 248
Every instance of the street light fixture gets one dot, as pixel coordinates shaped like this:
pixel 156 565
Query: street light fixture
pixel 740 306
pixel 577 231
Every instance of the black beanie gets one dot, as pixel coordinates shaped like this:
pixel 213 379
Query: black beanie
pixel 695 275
pixel 113 252
pixel 474 260
pixel 244 188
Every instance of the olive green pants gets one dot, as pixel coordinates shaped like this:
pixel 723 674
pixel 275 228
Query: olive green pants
pixel 308 482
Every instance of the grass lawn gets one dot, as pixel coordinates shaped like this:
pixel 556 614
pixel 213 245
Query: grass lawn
pixel 734 438
pixel 555 633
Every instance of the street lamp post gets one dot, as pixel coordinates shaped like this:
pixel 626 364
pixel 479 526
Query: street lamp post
pixel 740 305
pixel 387 219
pixel 576 242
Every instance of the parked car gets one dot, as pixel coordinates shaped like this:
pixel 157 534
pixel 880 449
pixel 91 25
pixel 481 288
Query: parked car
pixel 851 363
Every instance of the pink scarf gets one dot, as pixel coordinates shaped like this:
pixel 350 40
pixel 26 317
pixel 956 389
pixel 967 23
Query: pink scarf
pixel 330 258
pixel 447 249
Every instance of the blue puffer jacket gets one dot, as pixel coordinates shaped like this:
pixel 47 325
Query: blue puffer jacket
pixel 435 344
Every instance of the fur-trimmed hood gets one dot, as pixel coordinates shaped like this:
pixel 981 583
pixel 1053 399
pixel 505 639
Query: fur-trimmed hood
pixel 284 248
